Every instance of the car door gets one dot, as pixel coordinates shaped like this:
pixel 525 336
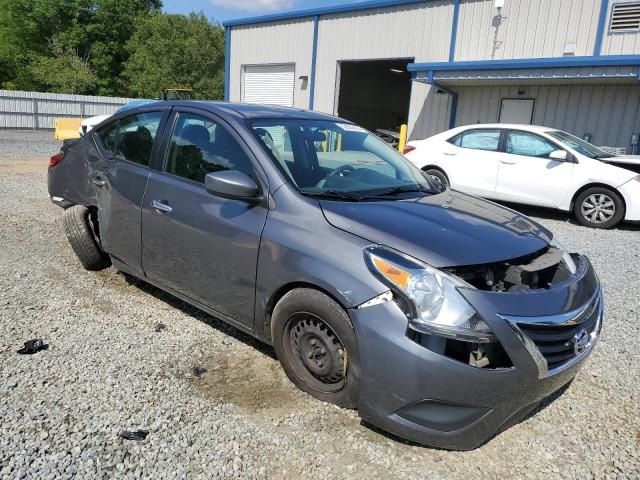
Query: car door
pixel 125 148
pixel 469 159
pixel 203 246
pixel 526 173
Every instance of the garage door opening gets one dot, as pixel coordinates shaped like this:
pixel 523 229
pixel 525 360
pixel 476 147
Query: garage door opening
pixel 375 93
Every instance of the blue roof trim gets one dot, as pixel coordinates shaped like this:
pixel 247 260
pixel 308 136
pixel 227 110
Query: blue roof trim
pixel 604 9
pixel 312 12
pixel 551 62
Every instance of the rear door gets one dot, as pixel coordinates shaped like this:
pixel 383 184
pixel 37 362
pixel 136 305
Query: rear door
pixel 528 175
pixel 203 246
pixel 125 147
pixel 470 160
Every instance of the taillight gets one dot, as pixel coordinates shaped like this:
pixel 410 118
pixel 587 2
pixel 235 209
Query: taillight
pixel 56 159
pixel 408 149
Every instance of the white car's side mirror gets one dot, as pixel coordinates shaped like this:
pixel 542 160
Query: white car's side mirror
pixel 559 155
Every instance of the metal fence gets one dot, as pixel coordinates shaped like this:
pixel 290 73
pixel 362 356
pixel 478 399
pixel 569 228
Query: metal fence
pixel 33 110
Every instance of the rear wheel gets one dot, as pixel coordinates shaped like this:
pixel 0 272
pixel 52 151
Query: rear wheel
pixel 438 177
pixel 316 345
pixel 76 221
pixel 599 207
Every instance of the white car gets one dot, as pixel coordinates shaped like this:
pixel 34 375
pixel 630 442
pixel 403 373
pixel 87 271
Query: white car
pixel 88 123
pixel 531 165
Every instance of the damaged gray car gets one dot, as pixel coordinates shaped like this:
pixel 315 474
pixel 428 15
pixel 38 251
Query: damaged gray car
pixel 442 318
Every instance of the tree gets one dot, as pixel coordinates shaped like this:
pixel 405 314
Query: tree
pixel 175 51
pixel 96 30
pixel 65 72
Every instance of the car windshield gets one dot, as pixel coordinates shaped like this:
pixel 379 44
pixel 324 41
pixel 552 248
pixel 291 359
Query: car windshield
pixel 340 160
pixel 579 145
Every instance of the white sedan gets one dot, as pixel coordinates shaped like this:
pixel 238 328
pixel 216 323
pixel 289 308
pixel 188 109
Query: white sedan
pixel 531 165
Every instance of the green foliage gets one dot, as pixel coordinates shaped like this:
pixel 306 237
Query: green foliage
pixel 64 72
pixel 175 51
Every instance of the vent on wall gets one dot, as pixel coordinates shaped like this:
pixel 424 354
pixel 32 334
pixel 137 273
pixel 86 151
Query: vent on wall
pixel 625 17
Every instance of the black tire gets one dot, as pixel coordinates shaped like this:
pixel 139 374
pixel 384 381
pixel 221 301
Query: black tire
pixel 438 176
pixel 76 225
pixel 607 211
pixel 306 320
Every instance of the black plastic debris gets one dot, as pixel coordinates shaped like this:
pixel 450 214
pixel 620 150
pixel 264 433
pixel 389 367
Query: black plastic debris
pixel 137 435
pixel 159 327
pixel 33 346
pixel 199 371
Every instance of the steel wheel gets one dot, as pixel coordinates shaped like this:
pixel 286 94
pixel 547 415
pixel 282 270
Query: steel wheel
pixel 319 355
pixel 598 208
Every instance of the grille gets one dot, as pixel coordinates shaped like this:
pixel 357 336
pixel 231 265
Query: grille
pixel 555 342
pixel 625 17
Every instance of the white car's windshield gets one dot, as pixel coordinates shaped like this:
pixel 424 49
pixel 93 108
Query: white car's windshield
pixel 338 159
pixel 579 145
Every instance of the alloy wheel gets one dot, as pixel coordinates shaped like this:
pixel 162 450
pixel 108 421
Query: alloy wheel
pixel 598 208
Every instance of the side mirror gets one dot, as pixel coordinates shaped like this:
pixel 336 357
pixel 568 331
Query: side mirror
pixel 560 155
pixel 231 184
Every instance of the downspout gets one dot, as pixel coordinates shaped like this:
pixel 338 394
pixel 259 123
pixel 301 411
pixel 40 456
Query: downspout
pixel 314 54
pixel 454 98
pixel 227 62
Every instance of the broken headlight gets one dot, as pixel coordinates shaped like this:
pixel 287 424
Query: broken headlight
pixel 566 256
pixel 436 307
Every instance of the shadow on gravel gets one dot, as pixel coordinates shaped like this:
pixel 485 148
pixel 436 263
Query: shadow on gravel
pixel 552 214
pixel 201 316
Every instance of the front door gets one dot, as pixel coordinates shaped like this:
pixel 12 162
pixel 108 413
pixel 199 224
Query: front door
pixel 202 246
pixel 526 173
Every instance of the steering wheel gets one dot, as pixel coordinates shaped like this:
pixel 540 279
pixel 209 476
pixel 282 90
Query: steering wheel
pixel 341 171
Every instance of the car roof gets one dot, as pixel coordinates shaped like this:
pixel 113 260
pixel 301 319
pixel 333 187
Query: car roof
pixel 514 126
pixel 249 111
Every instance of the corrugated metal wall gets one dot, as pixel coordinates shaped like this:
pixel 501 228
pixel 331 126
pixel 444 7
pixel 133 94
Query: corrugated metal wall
pixel 273 43
pixel 538 28
pixel 420 31
pixel 611 113
pixel 619 43
pixel 39 110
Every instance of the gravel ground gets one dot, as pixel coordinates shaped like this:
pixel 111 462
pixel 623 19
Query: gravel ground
pixel 107 369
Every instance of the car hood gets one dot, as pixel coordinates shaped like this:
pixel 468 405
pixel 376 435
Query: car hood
pixel 444 230
pixel 601 171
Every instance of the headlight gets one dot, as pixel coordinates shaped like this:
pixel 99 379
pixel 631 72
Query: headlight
pixel 566 256
pixel 435 303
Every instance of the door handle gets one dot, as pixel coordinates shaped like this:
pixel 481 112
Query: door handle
pixel 509 162
pixel 450 154
pixel 99 181
pixel 161 207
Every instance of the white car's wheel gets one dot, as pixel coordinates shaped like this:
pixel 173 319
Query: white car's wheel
pixel 599 207
pixel 438 177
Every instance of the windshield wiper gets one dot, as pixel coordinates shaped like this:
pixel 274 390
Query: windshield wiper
pixel 389 192
pixel 334 194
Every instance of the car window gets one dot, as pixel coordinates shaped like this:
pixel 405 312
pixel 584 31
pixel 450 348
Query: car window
pixel 478 139
pixel 528 144
pixel 107 136
pixel 199 146
pixel 136 135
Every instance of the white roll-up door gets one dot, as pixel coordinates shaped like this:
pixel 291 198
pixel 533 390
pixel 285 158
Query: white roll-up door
pixel 269 84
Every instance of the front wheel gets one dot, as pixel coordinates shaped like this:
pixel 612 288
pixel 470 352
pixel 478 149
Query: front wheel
pixel 599 207
pixel 438 177
pixel 316 345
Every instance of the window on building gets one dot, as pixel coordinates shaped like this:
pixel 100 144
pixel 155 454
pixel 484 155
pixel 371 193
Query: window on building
pixel 200 146
pixel 136 135
pixel 528 144
pixel 625 17
pixel 478 139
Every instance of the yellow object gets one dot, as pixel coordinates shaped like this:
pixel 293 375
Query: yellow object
pixel 339 148
pixel 178 93
pixel 403 138
pixel 67 128
pixel 396 275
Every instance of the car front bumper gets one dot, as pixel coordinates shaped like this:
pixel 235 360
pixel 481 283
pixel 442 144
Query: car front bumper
pixel 631 193
pixel 421 395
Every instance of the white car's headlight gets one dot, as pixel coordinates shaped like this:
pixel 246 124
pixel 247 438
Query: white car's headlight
pixel 436 306
pixel 566 256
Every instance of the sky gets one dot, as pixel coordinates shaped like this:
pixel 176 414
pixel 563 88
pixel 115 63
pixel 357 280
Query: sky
pixel 222 10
